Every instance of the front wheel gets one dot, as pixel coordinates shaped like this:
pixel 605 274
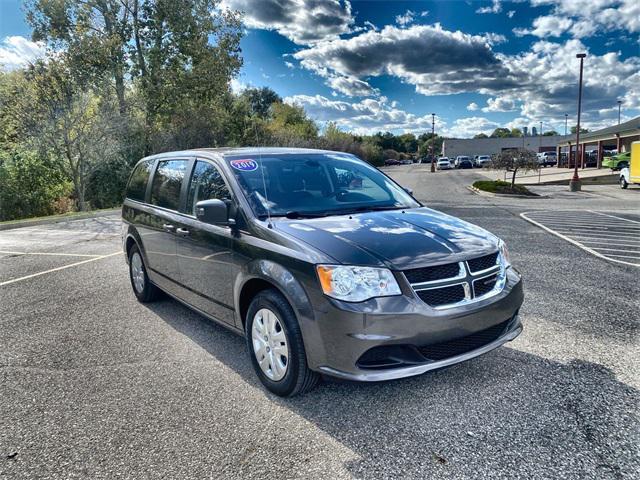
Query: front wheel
pixel 623 183
pixel 275 345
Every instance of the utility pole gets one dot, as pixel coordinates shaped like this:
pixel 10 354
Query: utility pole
pixel 566 117
pixel 540 139
pixel 433 140
pixel 619 105
pixel 575 184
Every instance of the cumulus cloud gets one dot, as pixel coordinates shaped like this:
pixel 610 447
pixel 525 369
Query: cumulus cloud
pixel 302 21
pixel 500 104
pixel 351 86
pixel 472 107
pixel 546 26
pixel 469 126
pixel 511 13
pixel 406 18
pixel 17 51
pixel 456 61
pixel 495 7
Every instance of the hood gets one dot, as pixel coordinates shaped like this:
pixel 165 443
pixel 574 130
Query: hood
pixel 396 239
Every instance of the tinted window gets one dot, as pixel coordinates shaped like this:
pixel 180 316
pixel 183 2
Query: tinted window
pixel 167 182
pixel 206 184
pixel 138 182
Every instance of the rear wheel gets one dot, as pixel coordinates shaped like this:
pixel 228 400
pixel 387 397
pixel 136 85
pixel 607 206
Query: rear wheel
pixel 144 290
pixel 275 345
pixel 623 183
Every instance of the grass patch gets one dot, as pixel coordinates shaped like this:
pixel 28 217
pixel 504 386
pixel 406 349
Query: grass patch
pixel 499 186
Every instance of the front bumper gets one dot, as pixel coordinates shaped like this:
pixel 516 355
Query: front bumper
pixel 342 333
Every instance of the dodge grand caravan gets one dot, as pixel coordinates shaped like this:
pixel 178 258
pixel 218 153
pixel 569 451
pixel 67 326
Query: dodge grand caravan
pixel 321 261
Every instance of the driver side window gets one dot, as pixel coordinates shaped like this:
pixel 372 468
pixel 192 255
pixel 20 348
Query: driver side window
pixel 206 184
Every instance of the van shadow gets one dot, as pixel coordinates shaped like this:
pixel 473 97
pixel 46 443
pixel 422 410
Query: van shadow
pixel 505 414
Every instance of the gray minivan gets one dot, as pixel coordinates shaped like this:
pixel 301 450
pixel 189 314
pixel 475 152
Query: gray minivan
pixel 320 260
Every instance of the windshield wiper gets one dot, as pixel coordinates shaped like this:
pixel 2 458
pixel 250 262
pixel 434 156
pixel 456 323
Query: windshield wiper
pixel 297 214
pixel 371 208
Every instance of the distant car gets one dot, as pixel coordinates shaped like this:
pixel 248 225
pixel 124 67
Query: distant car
pixel 617 162
pixel 406 162
pixel 481 161
pixel 465 163
pixel 462 158
pixel 391 161
pixel 444 164
pixel 547 159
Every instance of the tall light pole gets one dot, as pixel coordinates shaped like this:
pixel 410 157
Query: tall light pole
pixel 433 140
pixel 540 139
pixel 566 117
pixel 619 105
pixel 575 184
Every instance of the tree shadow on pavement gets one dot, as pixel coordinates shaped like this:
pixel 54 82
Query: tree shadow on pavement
pixel 503 415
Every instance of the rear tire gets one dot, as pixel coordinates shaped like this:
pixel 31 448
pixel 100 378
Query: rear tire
pixel 623 183
pixel 144 290
pixel 277 338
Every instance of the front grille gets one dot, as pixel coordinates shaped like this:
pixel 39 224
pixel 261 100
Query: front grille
pixel 482 263
pixel 483 286
pixel 452 348
pixel 442 296
pixel 429 274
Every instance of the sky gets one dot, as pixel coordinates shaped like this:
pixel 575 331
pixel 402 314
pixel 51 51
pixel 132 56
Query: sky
pixel 388 65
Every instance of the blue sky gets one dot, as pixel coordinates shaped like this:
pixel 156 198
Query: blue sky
pixel 387 65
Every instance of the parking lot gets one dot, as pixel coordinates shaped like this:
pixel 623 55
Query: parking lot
pixel 94 384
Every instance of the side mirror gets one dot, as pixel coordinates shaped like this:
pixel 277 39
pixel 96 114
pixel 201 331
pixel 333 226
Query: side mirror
pixel 408 190
pixel 214 212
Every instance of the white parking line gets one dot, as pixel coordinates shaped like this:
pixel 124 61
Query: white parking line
pixel 590 231
pixel 5 252
pixel 8 282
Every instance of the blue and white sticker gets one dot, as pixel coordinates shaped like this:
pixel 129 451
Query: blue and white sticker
pixel 244 165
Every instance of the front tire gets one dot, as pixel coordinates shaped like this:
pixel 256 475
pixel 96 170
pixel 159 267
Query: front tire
pixel 275 345
pixel 144 290
pixel 623 183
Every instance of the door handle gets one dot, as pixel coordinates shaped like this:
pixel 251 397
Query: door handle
pixel 183 232
pixel 168 227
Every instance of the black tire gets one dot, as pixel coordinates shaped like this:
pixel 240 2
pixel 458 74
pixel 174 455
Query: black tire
pixel 623 183
pixel 298 378
pixel 149 292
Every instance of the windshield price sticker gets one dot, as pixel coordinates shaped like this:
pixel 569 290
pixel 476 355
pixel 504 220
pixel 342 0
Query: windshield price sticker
pixel 244 165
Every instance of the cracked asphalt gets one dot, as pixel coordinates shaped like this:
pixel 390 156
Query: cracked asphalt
pixel 96 385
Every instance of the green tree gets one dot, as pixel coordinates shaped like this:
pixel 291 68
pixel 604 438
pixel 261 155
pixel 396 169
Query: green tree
pixel 501 133
pixel 574 129
pixel 290 125
pixel 515 132
pixel 549 133
pixel 481 135
pixel 260 100
pixel 408 143
pixel 514 161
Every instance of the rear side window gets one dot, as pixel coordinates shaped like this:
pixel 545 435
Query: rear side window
pixel 206 184
pixel 138 182
pixel 167 182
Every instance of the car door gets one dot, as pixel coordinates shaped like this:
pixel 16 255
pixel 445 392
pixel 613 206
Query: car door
pixel 158 236
pixel 205 252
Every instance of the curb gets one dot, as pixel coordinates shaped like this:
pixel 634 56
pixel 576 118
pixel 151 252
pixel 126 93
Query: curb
pixel 482 193
pixel 57 219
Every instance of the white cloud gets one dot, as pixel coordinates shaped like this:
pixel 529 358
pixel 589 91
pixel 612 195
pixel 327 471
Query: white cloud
pixel 424 13
pixel 469 126
pixel 511 13
pixel 17 52
pixel 546 26
pixel 406 18
pixel 495 7
pixel 352 86
pixel 289 65
pixel 500 104
pixel 302 21
pixel 472 107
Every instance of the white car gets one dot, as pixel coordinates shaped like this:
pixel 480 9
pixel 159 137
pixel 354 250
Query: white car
pixel 444 164
pixel 547 159
pixel 481 160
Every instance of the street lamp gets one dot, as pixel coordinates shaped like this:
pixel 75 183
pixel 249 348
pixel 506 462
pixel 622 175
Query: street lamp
pixel 566 117
pixel 540 139
pixel 433 140
pixel 575 184
pixel 619 104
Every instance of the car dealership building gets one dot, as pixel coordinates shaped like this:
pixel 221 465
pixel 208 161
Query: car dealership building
pixel 452 147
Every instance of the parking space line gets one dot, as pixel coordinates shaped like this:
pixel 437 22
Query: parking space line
pixel 6 252
pixel 597 231
pixel 614 216
pixel 33 275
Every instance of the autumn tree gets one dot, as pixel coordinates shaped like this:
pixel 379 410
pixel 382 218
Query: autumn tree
pixel 514 161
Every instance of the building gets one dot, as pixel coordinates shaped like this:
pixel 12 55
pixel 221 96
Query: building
pixel 452 147
pixel 594 144
pixel 534 131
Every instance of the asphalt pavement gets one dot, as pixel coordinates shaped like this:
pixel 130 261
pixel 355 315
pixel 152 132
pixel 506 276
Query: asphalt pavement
pixel 95 385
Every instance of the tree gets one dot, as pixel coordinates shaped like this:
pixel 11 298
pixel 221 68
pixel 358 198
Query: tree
pixel 290 125
pixel 501 133
pixel 515 132
pixel 574 129
pixel 549 133
pixel 481 135
pixel 260 100
pixel 408 143
pixel 514 161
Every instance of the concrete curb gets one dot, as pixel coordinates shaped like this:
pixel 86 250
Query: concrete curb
pixel 57 219
pixel 482 193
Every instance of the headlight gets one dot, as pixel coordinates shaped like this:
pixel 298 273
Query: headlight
pixel 356 284
pixel 504 253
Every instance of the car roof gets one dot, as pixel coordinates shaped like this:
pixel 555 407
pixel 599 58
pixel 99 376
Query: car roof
pixel 238 151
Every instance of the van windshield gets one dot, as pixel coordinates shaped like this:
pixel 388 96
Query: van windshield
pixel 299 185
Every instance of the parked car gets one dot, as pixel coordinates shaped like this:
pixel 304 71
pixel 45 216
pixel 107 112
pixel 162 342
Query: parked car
pixel 391 161
pixel 406 162
pixel 547 159
pixel 617 162
pixel 358 282
pixel 481 161
pixel 631 173
pixel 462 161
pixel 444 164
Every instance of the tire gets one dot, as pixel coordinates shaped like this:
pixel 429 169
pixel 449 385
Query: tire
pixel 144 290
pixel 623 183
pixel 297 377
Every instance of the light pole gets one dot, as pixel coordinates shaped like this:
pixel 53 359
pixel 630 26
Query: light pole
pixel 619 105
pixel 433 140
pixel 540 139
pixel 566 117
pixel 575 184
